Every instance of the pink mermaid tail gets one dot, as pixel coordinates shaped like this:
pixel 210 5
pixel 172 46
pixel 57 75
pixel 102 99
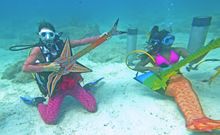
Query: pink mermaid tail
pixel 50 112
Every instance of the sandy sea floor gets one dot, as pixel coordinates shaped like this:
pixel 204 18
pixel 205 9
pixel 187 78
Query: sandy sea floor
pixel 125 107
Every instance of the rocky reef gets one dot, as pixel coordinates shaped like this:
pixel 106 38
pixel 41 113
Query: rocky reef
pixel 14 73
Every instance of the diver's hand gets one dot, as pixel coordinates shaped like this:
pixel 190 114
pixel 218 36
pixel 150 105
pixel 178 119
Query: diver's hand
pixel 104 33
pixel 155 69
pixel 113 33
pixel 54 67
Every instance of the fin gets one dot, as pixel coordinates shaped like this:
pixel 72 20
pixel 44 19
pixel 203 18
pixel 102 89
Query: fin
pixel 32 101
pixel 95 82
pixel 27 100
pixel 91 85
pixel 204 124
pixel 87 86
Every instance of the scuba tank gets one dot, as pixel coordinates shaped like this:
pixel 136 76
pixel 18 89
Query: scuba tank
pixel 131 40
pixel 199 30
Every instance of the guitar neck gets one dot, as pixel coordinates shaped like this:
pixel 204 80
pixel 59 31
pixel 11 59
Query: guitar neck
pixel 212 45
pixel 98 42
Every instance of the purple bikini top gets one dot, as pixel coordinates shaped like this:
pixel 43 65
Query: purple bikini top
pixel 161 60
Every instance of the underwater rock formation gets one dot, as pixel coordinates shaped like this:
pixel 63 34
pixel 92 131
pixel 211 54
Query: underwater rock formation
pixel 15 74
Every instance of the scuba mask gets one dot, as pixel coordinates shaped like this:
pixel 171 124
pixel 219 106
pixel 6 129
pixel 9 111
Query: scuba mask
pixel 47 36
pixel 168 40
pixel 158 38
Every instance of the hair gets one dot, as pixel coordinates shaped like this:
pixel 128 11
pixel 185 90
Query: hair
pixel 154 33
pixel 47 25
pixel 159 35
pixel 163 33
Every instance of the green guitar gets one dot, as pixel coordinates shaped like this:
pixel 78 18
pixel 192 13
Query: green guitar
pixel 156 82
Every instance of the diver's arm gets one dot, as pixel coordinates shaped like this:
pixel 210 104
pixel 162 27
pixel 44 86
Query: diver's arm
pixel 140 67
pixel 30 66
pixel 80 42
pixel 29 63
pixel 184 53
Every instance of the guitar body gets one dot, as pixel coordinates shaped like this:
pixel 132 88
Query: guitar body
pixel 68 62
pixel 156 82
pixel 152 81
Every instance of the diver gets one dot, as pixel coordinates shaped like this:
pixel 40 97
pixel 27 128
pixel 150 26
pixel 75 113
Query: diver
pixel 179 87
pixel 47 50
pixel 212 77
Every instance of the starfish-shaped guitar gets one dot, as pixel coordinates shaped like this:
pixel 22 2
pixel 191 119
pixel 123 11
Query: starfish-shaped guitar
pixel 68 62
pixel 66 66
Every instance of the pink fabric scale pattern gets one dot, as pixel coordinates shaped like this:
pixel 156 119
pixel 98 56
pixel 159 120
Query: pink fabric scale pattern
pixel 50 112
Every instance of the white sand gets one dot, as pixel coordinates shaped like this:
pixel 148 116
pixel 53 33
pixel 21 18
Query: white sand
pixel 125 107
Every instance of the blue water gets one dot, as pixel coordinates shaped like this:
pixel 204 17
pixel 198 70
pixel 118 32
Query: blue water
pixel 19 25
pixel 20 14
